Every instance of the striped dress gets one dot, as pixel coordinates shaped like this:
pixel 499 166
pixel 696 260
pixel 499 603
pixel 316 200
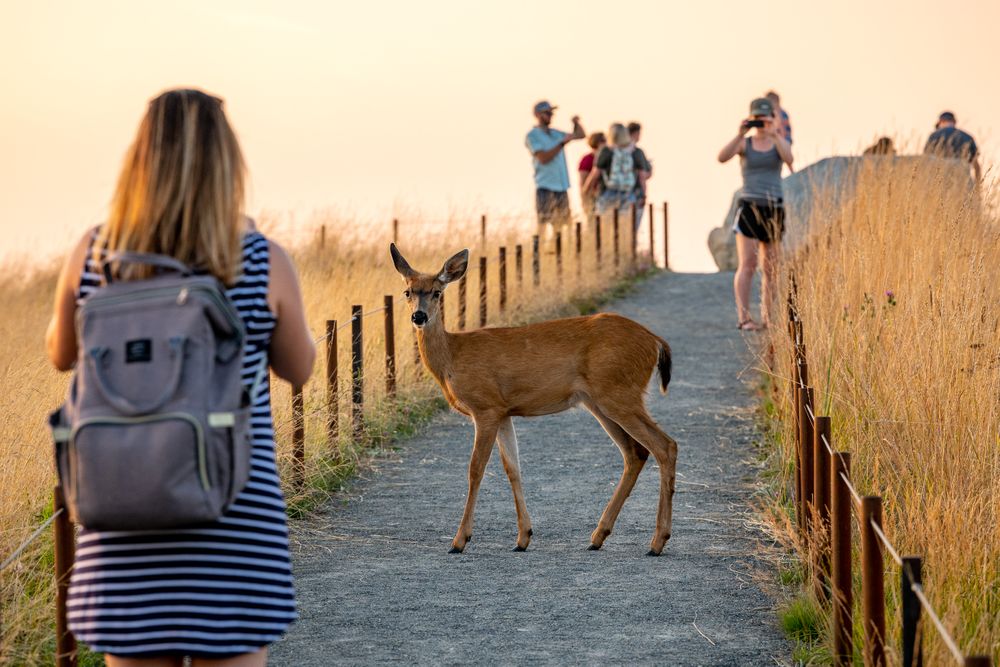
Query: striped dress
pixel 214 591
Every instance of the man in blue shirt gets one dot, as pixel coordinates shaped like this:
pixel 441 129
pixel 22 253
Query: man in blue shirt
pixel 948 141
pixel 551 175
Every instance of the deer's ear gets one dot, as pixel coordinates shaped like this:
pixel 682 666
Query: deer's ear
pixel 400 262
pixel 455 267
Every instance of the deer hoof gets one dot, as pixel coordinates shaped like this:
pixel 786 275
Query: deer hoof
pixel 519 548
pixel 594 547
pixel 454 550
pixel 652 552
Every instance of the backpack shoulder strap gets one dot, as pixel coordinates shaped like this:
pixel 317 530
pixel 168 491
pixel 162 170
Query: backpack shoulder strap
pixel 159 261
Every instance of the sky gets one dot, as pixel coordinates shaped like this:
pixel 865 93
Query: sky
pixel 370 110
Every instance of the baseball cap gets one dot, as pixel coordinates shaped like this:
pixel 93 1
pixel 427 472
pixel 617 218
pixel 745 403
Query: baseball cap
pixel 544 106
pixel 946 116
pixel 761 107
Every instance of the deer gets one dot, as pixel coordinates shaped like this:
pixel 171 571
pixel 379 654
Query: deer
pixel 602 361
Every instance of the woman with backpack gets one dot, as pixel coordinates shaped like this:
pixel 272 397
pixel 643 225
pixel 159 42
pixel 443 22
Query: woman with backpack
pixel 617 168
pixel 219 591
pixel 760 214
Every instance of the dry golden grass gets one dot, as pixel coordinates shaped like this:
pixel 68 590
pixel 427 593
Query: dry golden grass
pixel 899 293
pixel 351 267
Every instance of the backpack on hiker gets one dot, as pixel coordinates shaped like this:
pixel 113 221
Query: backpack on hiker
pixel 621 175
pixel 155 430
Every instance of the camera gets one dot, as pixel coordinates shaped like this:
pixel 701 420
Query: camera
pixel 753 123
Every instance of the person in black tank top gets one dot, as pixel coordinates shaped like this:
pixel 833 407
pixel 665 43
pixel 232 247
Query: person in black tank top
pixel 760 215
pixel 223 590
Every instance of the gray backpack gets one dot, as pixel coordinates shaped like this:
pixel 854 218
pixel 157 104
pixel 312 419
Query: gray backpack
pixel 155 430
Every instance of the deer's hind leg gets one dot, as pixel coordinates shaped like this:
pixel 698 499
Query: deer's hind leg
pixel 634 456
pixel 641 427
pixel 507 439
pixel 486 435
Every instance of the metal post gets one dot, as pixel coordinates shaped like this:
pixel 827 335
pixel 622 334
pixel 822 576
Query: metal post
pixel 482 292
pixel 840 537
pixel 536 277
pixel 872 582
pixel 821 496
pixel 390 346
pixel 559 266
pixel 462 285
pixel 807 461
pixel 357 373
pixel 298 439
pixel 65 553
pixel 332 399
pixel 913 653
pixel 614 223
pixel 666 236
pixel 503 280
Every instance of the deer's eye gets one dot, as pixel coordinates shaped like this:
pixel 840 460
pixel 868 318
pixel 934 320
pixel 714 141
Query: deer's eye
pixel 406 294
pixel 437 294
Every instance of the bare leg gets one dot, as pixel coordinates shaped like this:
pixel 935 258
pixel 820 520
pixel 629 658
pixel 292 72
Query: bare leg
pixel 770 255
pixel 507 440
pixel 486 434
pixel 120 661
pixel 746 253
pixel 641 426
pixel 257 659
pixel 634 456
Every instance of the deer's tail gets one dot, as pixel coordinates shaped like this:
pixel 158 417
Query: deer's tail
pixel 664 364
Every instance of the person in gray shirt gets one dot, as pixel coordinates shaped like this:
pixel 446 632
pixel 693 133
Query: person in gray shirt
pixel 948 141
pixel 760 214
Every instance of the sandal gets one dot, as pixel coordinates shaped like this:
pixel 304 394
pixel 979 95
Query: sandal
pixel 748 325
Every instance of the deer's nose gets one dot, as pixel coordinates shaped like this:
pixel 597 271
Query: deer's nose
pixel 419 318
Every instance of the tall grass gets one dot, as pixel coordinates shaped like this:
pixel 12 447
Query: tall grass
pixel 351 267
pixel 899 293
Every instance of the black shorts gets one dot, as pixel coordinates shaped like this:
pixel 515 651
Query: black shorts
pixel 764 222
pixel 552 207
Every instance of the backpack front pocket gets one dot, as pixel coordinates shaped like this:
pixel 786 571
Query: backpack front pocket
pixel 139 473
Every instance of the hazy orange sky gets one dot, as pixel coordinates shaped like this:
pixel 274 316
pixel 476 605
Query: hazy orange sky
pixel 377 108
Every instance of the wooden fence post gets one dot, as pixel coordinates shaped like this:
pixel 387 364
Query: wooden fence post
pixel 322 236
pixel 840 536
pixel 910 574
pixel 666 236
pixel 559 266
pixel 978 661
pixel 503 280
pixel 390 346
pixel 536 277
pixel 614 224
pixel 519 265
pixel 332 398
pixel 395 231
pixel 462 286
pixel 597 239
pixel 482 231
pixel 821 495
pixel 298 439
pixel 357 373
pixel 872 582
pixel 807 461
pixel 65 552
pixel 652 238
pixel 482 292
pixel 577 257
pixel 632 234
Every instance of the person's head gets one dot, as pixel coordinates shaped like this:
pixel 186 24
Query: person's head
pixel 946 119
pixel 634 130
pixel 773 98
pixel 180 190
pixel 596 141
pixel 883 146
pixel 762 109
pixel 619 136
pixel 543 112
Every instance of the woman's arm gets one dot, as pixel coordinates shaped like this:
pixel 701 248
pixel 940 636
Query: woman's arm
pixel 591 181
pixel 292 351
pixel 735 146
pixel 60 337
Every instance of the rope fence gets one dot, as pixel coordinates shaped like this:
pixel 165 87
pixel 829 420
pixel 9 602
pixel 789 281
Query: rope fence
pixel 825 503
pixel 65 532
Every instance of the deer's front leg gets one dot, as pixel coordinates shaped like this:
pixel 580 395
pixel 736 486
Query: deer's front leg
pixel 486 434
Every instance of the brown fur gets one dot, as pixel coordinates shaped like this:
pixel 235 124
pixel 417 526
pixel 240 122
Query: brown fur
pixel 602 361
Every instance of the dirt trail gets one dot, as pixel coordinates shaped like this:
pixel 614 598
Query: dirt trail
pixel 376 583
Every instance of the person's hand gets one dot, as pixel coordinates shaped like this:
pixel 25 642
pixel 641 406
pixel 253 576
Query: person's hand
pixel 743 128
pixel 770 128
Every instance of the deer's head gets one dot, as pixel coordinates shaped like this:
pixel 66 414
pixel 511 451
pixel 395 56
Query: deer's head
pixel 424 290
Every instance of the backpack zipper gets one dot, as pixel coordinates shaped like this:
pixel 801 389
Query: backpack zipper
pixel 166 416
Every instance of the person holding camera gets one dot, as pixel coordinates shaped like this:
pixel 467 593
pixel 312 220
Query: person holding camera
pixel 549 160
pixel 760 215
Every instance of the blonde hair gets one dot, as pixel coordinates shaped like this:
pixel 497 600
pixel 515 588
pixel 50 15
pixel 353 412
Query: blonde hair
pixel 619 135
pixel 181 187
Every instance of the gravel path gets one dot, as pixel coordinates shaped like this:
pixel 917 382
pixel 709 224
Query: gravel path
pixel 376 583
